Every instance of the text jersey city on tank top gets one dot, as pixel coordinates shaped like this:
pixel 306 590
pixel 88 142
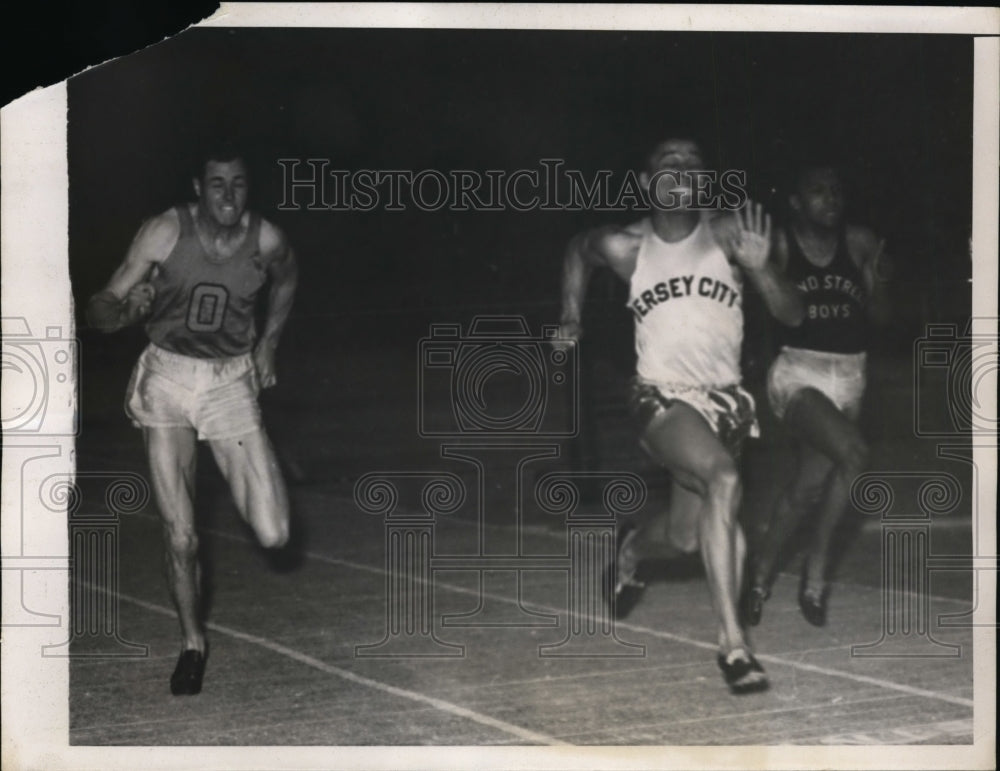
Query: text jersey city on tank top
pixel 834 298
pixel 687 302
pixel 204 305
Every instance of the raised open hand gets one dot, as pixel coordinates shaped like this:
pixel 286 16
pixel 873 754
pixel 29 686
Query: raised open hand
pixel 570 331
pixel 753 237
pixel 881 264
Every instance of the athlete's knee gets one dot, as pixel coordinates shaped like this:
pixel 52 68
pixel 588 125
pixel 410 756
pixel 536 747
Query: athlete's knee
pixel 181 542
pixel 854 458
pixel 272 531
pixel 804 496
pixel 724 492
pixel 273 538
pixel 723 479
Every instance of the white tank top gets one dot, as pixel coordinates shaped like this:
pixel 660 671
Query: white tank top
pixel 687 302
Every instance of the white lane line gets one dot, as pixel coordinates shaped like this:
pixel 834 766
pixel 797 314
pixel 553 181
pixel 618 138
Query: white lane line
pixel 544 531
pixel 322 666
pixel 758 713
pixel 437 583
pixel 877 681
pixel 911 734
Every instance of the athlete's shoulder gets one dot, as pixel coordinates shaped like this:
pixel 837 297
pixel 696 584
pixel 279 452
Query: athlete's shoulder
pixel 157 236
pixel 724 226
pixel 615 242
pixel 273 244
pixel 720 220
pixel 272 238
pixel 860 236
pixel 862 244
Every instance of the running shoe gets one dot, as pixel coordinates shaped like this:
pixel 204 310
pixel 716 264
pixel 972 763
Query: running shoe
pixel 186 679
pixel 742 672
pixel 621 574
pixel 753 604
pixel 812 602
pixel 813 605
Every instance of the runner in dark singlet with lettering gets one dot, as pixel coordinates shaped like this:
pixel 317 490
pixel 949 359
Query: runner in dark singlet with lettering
pixel 835 299
pixel 816 384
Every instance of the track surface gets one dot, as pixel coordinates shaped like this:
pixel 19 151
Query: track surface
pixel 283 667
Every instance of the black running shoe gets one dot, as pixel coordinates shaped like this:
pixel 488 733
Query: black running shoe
pixel 813 605
pixel 753 604
pixel 755 593
pixel 620 575
pixel 186 679
pixel 742 672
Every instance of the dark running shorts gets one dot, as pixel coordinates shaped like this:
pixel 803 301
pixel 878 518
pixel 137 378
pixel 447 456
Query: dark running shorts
pixel 730 411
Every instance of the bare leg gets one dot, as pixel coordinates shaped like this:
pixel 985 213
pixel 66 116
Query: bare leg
pixel 803 494
pixel 683 442
pixel 685 519
pixel 828 430
pixel 672 530
pixel 172 460
pixel 251 467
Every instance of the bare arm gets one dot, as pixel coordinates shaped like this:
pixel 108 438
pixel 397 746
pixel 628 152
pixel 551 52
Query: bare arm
pixel 127 298
pixel 283 271
pixel 750 244
pixel 876 270
pixel 781 296
pixel 602 247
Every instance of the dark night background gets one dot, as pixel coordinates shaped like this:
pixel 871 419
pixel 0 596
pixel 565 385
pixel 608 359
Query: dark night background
pixel 895 108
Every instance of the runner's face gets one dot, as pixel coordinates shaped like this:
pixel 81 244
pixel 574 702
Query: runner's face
pixel 669 165
pixel 222 192
pixel 820 198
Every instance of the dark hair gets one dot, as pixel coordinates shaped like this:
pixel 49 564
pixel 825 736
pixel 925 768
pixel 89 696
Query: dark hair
pixel 806 158
pixel 652 140
pixel 803 169
pixel 220 151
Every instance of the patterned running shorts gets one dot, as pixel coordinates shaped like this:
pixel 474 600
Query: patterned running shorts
pixel 730 411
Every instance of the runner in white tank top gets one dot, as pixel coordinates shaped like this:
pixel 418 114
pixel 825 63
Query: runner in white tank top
pixel 685 268
pixel 687 300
